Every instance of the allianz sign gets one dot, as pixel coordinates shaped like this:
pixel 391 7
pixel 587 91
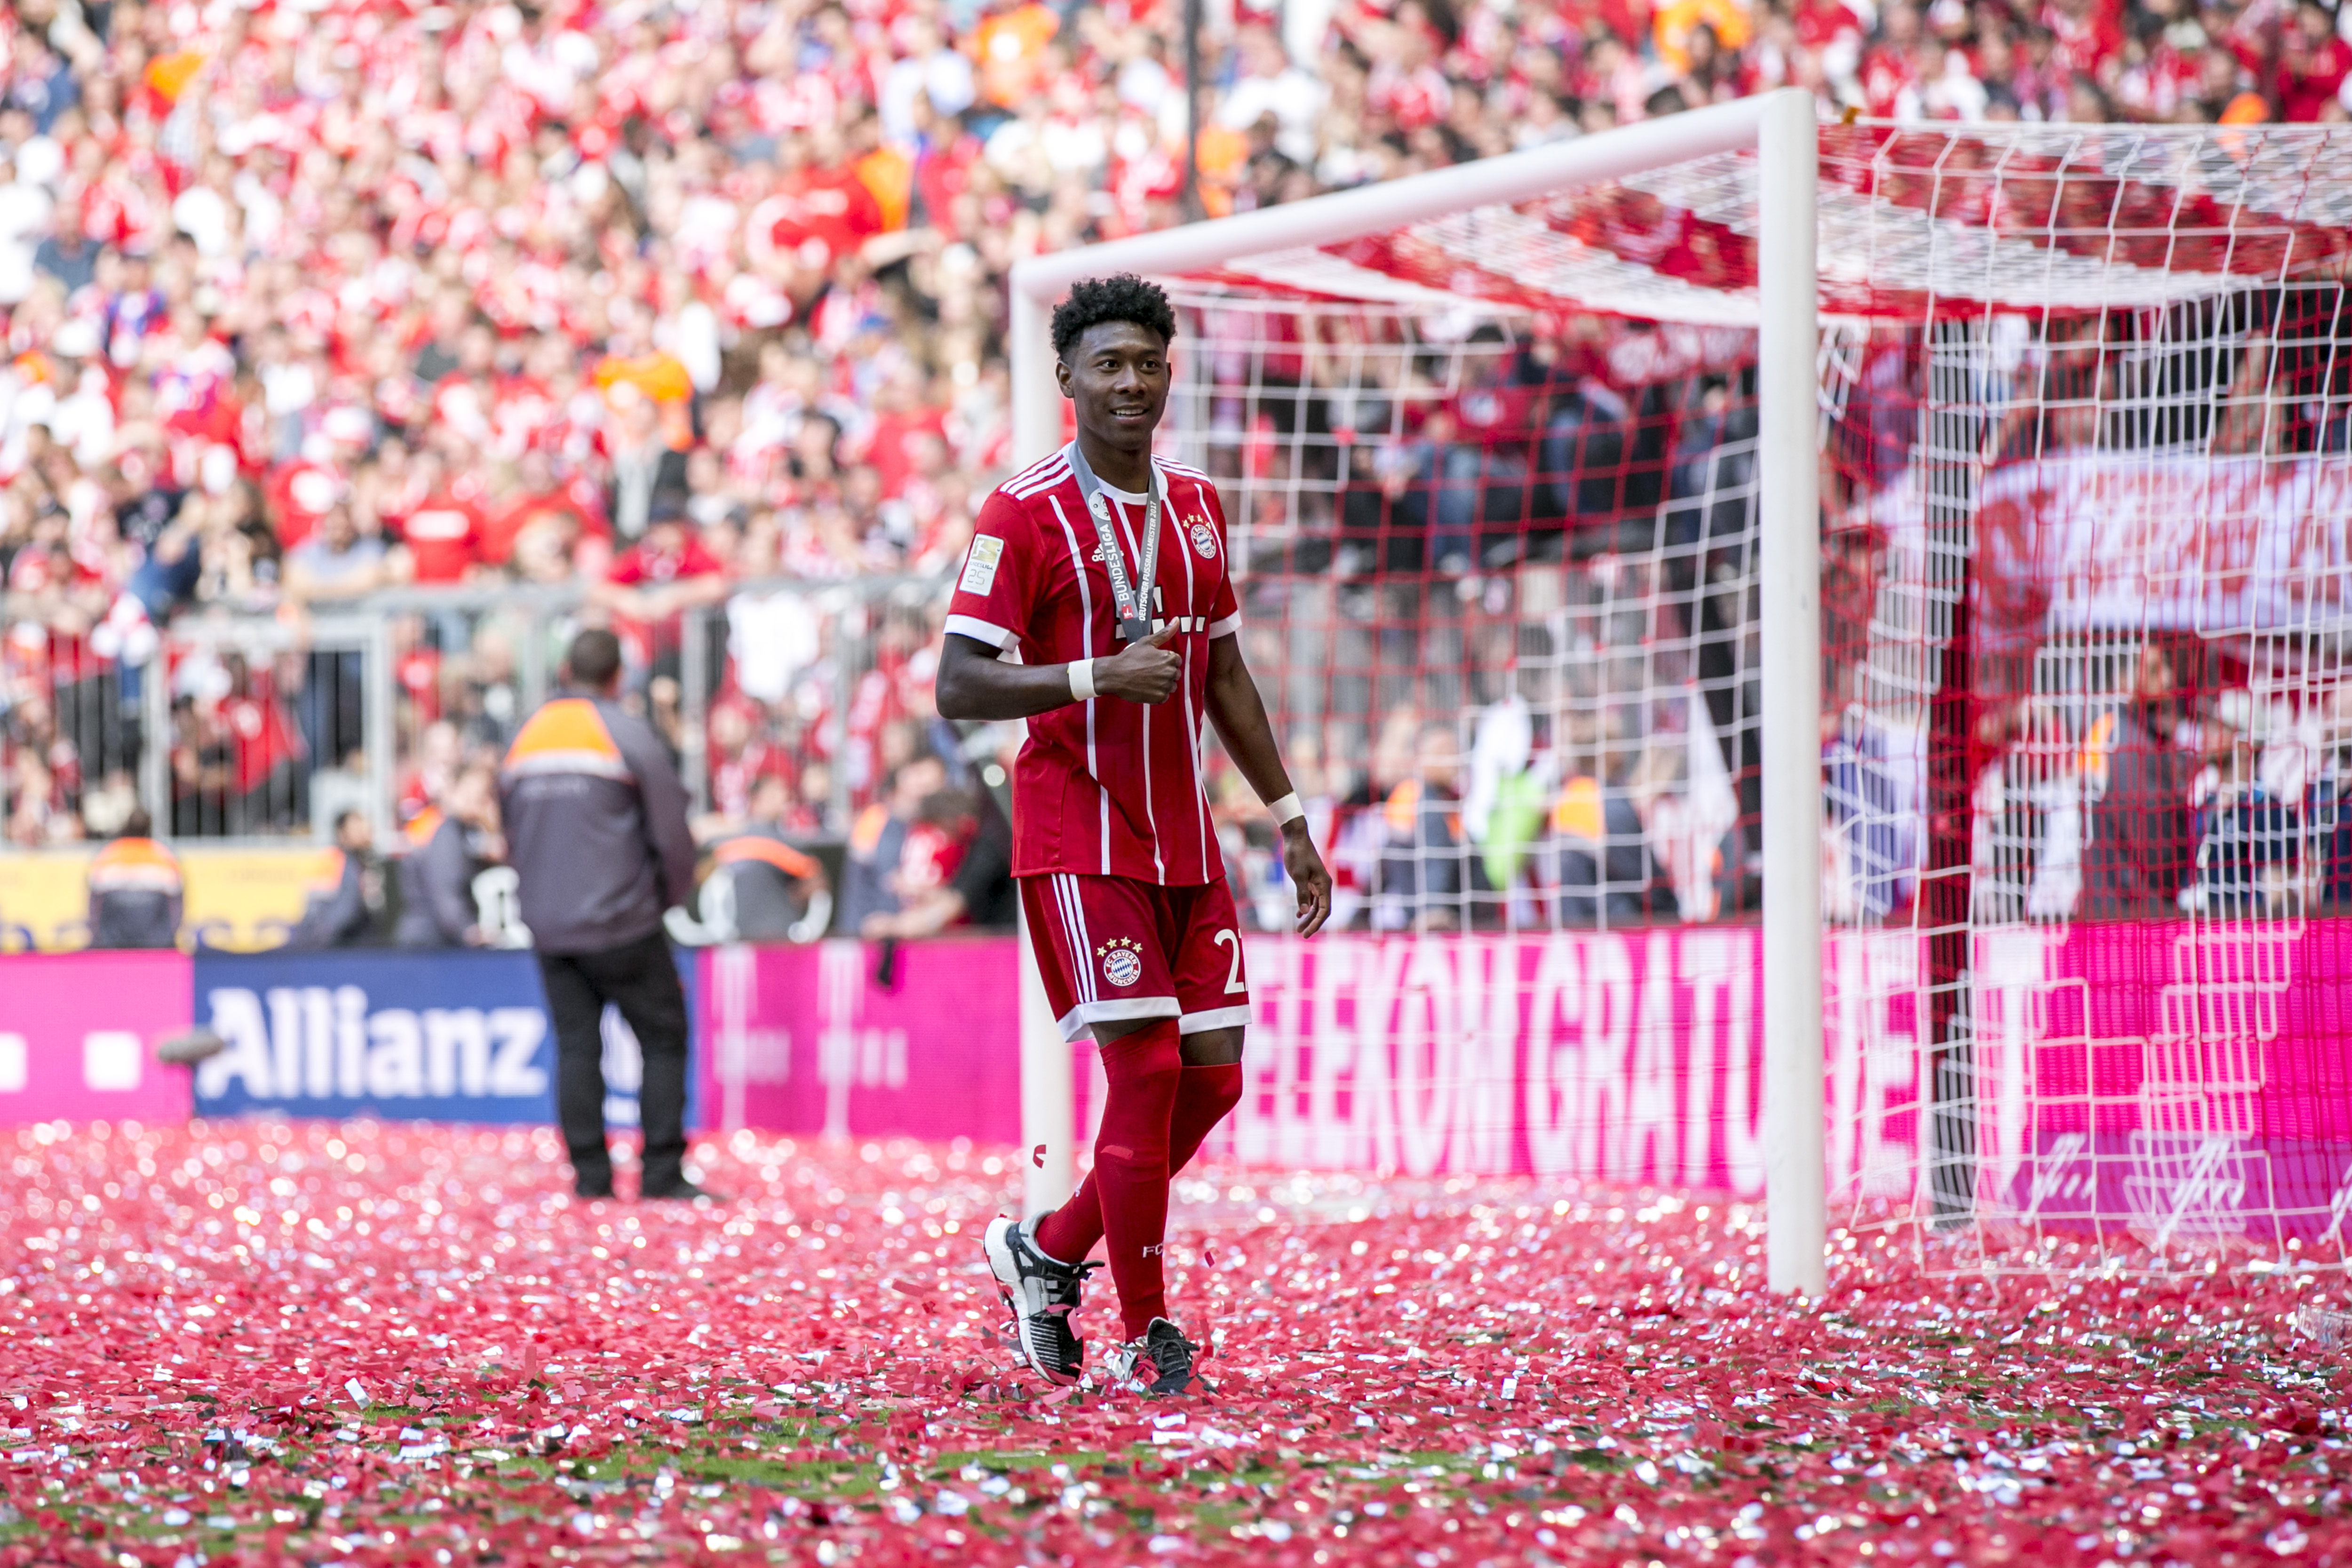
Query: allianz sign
pixel 319 1042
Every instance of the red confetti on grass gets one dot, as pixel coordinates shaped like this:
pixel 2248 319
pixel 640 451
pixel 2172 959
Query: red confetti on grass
pixel 268 1345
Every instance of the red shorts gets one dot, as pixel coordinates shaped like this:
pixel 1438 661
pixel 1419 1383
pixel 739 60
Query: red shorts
pixel 1110 948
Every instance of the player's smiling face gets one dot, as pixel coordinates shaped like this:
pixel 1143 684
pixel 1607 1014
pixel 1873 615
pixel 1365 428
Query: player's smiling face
pixel 1117 374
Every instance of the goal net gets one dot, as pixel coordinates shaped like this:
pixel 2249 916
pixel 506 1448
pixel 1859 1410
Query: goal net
pixel 2083 400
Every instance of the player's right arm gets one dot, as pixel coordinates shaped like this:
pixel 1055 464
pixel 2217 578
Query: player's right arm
pixel 976 683
pixel 993 609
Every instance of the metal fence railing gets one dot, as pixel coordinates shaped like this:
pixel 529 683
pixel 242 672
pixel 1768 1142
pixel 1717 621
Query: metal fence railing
pixel 269 728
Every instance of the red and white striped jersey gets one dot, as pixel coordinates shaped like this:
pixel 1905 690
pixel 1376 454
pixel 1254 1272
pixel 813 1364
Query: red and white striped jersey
pixel 1107 787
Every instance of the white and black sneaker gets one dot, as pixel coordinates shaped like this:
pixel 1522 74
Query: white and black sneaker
pixel 1159 1362
pixel 1042 1292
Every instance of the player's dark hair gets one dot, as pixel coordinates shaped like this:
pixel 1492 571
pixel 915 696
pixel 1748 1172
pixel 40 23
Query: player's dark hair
pixel 594 659
pixel 1125 298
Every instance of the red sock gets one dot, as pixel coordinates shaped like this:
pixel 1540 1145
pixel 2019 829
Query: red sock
pixel 1130 1174
pixel 1203 1097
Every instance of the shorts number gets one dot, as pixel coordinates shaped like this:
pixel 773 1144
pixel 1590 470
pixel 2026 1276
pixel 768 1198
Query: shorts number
pixel 1233 976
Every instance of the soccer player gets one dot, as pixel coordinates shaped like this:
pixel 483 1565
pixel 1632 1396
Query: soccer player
pixel 1105 567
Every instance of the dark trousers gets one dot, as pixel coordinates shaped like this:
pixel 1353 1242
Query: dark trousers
pixel 641 980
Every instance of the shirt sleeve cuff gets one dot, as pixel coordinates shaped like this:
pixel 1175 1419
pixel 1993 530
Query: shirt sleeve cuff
pixel 1225 628
pixel 972 626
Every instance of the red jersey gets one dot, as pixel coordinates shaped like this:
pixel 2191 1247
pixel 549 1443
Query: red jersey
pixel 444 537
pixel 299 494
pixel 1107 787
pixel 260 739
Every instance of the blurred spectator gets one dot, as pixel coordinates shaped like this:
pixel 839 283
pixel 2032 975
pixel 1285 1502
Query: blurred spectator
pixel 346 904
pixel 45 776
pixel 236 759
pixel 447 846
pixel 647 470
pixel 759 887
pixel 2313 63
pixel 2136 857
pixel 666 573
pixel 878 841
pixel 440 752
pixel 135 889
pixel 443 529
pixel 2250 802
pixel 955 870
pixel 1871 829
pixel 1605 869
pixel 1425 874
pixel 338 561
pixel 743 761
pixel 1268 84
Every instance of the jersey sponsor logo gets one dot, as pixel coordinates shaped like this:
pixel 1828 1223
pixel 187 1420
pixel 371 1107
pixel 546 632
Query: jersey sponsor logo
pixel 436 523
pixel 1122 961
pixel 1205 539
pixel 980 566
pixel 314 490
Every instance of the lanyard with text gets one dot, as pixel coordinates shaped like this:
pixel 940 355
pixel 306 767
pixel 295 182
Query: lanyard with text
pixel 1134 617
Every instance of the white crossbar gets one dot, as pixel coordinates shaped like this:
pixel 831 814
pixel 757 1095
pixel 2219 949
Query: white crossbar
pixel 1376 209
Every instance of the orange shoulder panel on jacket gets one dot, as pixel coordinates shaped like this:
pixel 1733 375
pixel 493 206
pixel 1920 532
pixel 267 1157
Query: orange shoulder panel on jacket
pixel 420 829
pixel 1402 805
pixel 326 872
pixel 1580 813
pixel 752 847
pixel 866 833
pixel 566 736
pixel 134 862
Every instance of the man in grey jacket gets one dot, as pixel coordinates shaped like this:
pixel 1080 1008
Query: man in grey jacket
pixel 345 903
pixel 447 846
pixel 596 832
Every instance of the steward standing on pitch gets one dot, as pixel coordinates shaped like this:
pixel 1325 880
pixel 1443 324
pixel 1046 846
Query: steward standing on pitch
pixel 1106 567
pixel 596 832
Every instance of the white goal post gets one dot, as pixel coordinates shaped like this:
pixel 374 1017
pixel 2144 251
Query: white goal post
pixel 1780 128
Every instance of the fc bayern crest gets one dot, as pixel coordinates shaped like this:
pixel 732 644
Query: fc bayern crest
pixel 1205 539
pixel 1122 961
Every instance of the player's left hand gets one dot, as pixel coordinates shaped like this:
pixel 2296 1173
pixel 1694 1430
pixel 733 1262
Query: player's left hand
pixel 1304 862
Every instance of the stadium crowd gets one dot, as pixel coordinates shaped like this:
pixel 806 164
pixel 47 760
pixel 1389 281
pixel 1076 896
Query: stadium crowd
pixel 303 302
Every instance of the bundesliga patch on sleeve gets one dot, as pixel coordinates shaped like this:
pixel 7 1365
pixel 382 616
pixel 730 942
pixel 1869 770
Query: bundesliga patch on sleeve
pixel 980 566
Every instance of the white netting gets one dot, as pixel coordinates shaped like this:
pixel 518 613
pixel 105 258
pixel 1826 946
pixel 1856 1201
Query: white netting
pixel 2086 395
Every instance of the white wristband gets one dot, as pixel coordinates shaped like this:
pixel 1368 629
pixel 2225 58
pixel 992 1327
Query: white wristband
pixel 1287 810
pixel 1082 679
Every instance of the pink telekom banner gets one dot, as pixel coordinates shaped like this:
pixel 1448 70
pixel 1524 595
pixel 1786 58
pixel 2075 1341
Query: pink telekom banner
pixel 2173 1079
pixel 77 1032
pixel 808 1040
pixel 1367 1053
pixel 1621 1057
pixel 2168 1079
pixel 2184 1079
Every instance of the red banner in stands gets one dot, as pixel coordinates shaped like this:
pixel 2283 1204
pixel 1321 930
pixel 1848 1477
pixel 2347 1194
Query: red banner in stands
pixel 2084 541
